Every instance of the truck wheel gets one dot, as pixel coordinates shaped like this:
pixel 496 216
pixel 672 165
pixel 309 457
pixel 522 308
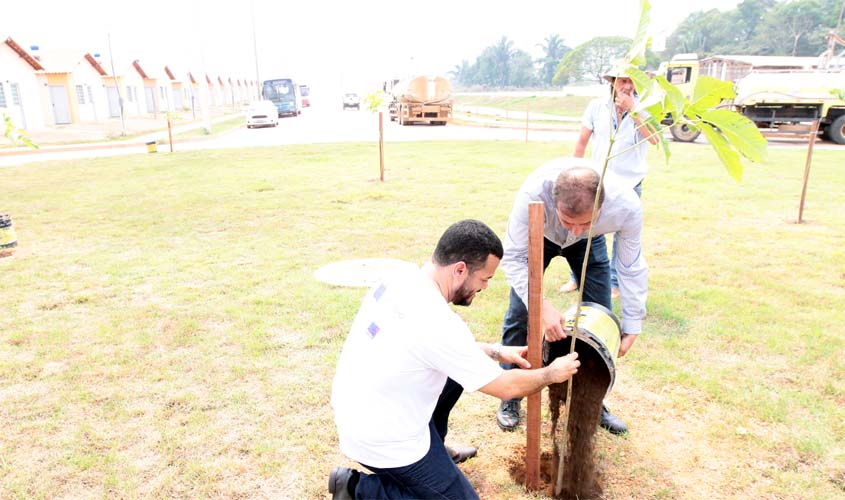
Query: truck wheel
pixel 836 130
pixel 683 133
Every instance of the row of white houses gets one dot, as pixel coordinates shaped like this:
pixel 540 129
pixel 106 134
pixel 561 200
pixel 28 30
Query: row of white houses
pixel 40 89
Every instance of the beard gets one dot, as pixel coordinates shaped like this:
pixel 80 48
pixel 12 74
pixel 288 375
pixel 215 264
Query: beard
pixel 464 296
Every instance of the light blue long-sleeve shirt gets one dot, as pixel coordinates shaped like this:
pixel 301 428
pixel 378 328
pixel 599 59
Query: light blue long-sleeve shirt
pixel 620 213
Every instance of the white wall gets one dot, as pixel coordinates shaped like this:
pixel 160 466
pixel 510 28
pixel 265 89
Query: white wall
pixel 95 110
pixel 138 105
pixel 29 114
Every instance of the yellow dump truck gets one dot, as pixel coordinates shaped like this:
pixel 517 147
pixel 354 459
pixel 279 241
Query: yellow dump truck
pixel 421 100
pixel 776 93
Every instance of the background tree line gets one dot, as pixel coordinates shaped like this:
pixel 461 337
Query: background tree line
pixel 754 27
pixel 759 27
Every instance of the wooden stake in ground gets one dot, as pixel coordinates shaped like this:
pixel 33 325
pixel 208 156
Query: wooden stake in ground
pixel 170 134
pixel 527 111
pixel 811 140
pixel 381 146
pixel 535 339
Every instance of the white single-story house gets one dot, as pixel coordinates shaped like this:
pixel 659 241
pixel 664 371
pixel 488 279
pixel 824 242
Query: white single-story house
pixel 22 96
pixel 149 101
pixel 70 86
pixel 178 96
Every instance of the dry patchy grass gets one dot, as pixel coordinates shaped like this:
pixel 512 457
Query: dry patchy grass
pixel 163 337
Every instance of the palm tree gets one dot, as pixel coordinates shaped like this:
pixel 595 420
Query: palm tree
pixel 463 73
pixel 502 53
pixel 554 50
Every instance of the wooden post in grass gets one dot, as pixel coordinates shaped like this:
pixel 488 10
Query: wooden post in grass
pixel 381 145
pixel 527 110
pixel 812 140
pixel 535 340
pixel 170 133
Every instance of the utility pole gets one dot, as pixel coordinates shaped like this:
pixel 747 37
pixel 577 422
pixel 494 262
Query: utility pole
pixel 255 48
pixel 117 87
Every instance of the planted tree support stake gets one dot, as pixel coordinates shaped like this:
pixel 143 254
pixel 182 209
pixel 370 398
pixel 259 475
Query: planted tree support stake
pixel 527 111
pixel 535 340
pixel 381 146
pixel 811 140
pixel 170 134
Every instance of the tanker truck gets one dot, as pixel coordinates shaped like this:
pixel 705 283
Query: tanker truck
pixel 776 93
pixel 423 99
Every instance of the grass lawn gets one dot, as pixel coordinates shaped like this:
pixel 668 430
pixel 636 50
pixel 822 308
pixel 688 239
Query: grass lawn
pixel 163 336
pixel 564 106
pixel 216 129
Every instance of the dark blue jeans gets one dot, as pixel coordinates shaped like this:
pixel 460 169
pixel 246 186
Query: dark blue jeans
pixel 596 285
pixel 434 475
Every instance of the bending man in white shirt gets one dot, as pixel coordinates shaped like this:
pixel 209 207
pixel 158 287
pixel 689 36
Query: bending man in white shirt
pixel 405 362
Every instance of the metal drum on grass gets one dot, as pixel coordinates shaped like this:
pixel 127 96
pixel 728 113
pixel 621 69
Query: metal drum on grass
pixel 598 330
pixel 8 239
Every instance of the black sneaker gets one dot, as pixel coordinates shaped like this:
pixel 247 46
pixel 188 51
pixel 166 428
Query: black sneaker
pixel 339 483
pixel 611 423
pixel 508 415
pixel 460 454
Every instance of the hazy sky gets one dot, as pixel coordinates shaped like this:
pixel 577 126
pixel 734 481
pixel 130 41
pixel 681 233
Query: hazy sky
pixel 324 42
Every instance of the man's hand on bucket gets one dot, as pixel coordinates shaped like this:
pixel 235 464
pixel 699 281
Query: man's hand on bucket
pixel 553 323
pixel 627 341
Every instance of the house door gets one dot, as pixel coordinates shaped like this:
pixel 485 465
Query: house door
pixel 177 100
pixel 150 95
pixel 16 108
pixel 61 107
pixel 114 102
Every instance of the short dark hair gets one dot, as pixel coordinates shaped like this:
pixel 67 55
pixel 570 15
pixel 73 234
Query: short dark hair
pixel 575 190
pixel 469 241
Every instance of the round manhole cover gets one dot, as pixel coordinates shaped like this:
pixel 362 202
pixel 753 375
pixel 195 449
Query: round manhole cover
pixel 361 272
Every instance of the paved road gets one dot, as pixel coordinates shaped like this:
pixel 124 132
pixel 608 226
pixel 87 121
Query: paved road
pixel 326 123
pixel 318 124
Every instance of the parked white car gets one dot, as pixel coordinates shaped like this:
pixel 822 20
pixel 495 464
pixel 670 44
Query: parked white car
pixel 262 114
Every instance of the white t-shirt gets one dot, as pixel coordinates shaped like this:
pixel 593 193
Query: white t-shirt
pixel 404 343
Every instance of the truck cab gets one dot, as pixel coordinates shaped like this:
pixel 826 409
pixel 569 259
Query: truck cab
pixel 681 71
pixel 776 93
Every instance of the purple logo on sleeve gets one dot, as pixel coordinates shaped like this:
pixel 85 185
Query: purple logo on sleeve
pixel 379 292
pixel 372 330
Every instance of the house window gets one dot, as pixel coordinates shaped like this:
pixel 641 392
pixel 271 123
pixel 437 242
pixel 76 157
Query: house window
pixel 80 94
pixel 16 94
pixel 129 94
pixel 90 94
pixel 2 97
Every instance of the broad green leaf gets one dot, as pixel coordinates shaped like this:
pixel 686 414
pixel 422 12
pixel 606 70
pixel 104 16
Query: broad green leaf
pixel 641 80
pixel 651 96
pixel 710 92
pixel 740 131
pixel 657 111
pixel 636 54
pixel 674 98
pixel 729 157
pixel 664 144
